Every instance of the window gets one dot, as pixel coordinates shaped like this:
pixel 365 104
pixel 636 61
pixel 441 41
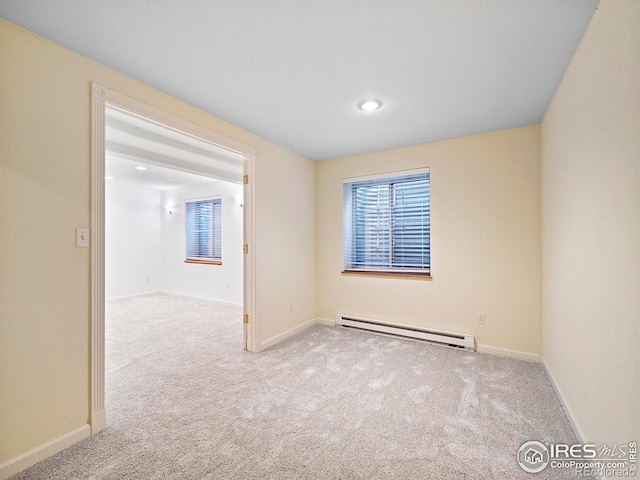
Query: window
pixel 204 230
pixel 387 224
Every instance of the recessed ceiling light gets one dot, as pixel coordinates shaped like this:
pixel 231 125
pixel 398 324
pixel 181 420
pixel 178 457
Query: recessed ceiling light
pixel 370 105
pixel 140 168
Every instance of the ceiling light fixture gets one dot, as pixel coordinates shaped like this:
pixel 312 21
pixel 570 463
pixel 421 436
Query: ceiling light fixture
pixel 140 168
pixel 370 105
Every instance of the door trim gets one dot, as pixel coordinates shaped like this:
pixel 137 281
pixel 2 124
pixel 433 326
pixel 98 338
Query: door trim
pixel 100 98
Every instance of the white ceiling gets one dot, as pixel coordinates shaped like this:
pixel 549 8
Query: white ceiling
pixel 172 159
pixel 159 178
pixel 293 71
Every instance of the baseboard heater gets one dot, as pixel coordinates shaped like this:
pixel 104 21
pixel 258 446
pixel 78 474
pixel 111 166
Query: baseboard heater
pixel 448 339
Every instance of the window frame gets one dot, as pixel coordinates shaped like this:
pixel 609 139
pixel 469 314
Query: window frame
pixel 423 271
pixel 215 237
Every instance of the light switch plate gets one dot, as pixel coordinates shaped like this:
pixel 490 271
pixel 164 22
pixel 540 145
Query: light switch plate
pixel 82 237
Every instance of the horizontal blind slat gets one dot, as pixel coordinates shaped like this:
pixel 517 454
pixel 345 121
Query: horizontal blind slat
pixel 387 223
pixel 204 229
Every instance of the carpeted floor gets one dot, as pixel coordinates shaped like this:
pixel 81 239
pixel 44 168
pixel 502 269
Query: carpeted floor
pixel 185 402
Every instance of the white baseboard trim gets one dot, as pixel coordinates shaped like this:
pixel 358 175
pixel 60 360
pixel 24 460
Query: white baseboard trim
pixel 329 322
pixel 132 295
pixel 505 352
pixel 98 421
pixel 565 406
pixel 42 452
pixel 200 298
pixel 263 345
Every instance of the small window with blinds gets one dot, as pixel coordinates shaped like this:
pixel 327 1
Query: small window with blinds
pixel 204 230
pixel 387 224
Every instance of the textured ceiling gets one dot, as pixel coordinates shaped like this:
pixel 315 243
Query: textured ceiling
pixel 293 71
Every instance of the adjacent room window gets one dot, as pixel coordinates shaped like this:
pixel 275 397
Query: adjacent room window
pixel 204 230
pixel 387 224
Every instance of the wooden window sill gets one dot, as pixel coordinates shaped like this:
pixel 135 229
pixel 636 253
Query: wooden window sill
pixel 205 262
pixel 369 273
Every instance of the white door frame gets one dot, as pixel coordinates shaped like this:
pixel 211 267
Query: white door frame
pixel 101 97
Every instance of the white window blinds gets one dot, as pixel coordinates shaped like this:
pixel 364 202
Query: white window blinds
pixel 204 229
pixel 387 224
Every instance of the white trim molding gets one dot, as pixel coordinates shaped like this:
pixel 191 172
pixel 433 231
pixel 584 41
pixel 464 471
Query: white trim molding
pixel 101 97
pixel 565 406
pixel 263 345
pixel 165 119
pixel 204 299
pixel 30 458
pixel 98 421
pixel 293 331
pixel 249 292
pixel 329 322
pixel 133 295
pixel 505 352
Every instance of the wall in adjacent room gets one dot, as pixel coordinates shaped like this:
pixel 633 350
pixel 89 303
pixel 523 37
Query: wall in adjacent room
pixel 215 282
pixel 591 228
pixel 132 240
pixel 485 247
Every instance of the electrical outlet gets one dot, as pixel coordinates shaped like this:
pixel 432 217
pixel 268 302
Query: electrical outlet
pixel 480 318
pixel 146 280
pixel 227 285
pixel 291 307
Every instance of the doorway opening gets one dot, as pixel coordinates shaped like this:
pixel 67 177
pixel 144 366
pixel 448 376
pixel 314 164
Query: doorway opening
pixel 186 205
pixel 166 229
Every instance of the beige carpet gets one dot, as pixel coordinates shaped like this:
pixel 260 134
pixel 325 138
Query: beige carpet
pixel 184 401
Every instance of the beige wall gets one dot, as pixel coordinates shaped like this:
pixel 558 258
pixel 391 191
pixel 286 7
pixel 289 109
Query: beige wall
pixel 591 228
pixel 485 230
pixel 44 280
pixel 486 234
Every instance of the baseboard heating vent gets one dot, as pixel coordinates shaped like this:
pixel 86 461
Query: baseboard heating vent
pixel 449 339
